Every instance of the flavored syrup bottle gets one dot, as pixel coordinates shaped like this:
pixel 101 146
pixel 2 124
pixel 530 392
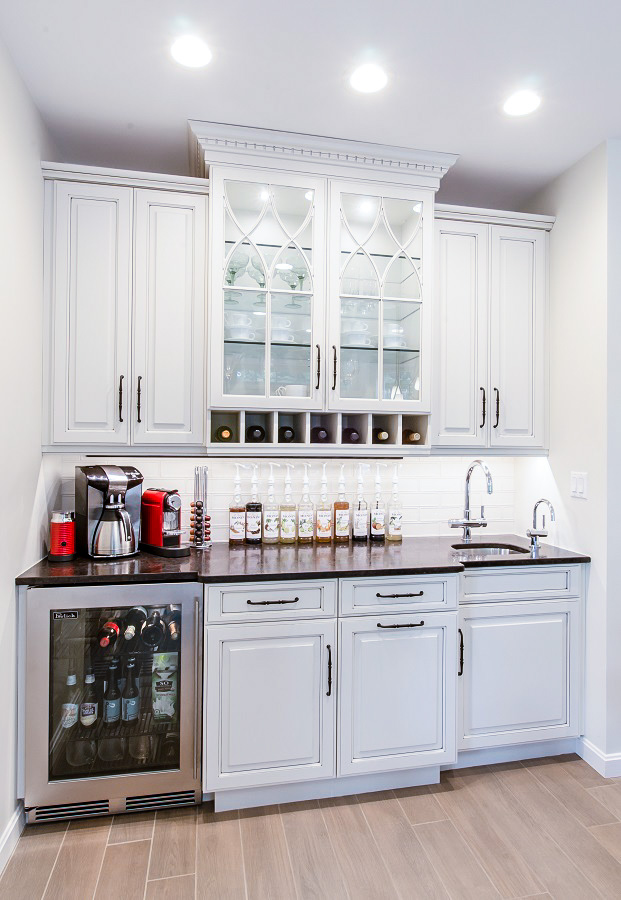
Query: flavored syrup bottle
pixel 394 532
pixel 378 510
pixel 306 513
pixel 254 509
pixel 361 512
pixel 341 513
pixel 288 513
pixel 271 513
pixel 237 512
pixel 323 519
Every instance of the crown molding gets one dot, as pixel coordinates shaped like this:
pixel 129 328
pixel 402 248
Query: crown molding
pixel 217 143
pixel 492 216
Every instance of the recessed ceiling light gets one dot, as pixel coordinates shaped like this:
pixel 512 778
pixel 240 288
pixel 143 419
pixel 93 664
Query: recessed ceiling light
pixel 368 78
pixel 191 51
pixel 367 207
pixel 521 103
pixel 264 195
pixel 308 195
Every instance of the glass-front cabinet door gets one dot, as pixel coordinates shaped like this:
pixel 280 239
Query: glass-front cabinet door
pixel 267 290
pixel 379 316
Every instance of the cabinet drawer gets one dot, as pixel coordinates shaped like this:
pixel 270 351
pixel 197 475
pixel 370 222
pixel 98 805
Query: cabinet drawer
pixel 264 600
pixel 360 596
pixel 523 583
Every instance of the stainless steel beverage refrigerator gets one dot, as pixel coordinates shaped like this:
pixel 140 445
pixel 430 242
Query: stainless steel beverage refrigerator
pixel 110 698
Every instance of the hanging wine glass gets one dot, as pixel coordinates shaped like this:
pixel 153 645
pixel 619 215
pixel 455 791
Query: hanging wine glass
pixel 237 266
pixel 257 274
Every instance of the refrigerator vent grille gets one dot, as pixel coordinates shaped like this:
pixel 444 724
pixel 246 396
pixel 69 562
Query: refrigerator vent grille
pixel 160 801
pixel 70 811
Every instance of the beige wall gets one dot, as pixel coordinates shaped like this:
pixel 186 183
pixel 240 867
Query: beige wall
pixel 23 504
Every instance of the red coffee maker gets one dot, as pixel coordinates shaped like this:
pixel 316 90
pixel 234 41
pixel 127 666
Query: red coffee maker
pixel 160 519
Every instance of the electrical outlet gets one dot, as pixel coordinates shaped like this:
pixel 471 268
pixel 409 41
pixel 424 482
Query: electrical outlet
pixel 579 485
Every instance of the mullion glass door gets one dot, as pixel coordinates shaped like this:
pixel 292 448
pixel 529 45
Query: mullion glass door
pixel 114 691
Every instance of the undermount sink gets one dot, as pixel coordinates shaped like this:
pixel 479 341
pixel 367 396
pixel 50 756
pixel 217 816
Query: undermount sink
pixel 479 550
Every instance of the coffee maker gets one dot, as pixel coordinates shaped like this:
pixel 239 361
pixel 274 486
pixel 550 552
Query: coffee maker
pixel 107 511
pixel 161 523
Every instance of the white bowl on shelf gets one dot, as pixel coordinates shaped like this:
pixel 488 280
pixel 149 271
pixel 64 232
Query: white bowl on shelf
pixel 358 339
pixel 394 343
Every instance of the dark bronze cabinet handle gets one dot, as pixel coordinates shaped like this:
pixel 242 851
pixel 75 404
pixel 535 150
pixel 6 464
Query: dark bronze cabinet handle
pixel 484 408
pixel 461 652
pixel 318 366
pixel 121 377
pixel 497 407
pixel 329 649
pixel 409 625
pixel 271 602
pixel 139 398
pixel 397 596
pixel 334 373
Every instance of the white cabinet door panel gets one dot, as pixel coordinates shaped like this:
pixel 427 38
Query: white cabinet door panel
pixel 91 312
pixel 169 317
pixel 397 692
pixel 520 669
pixel 517 337
pixel 461 290
pixel 270 705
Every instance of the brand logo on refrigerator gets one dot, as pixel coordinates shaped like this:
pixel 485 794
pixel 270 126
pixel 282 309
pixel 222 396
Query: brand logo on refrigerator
pixel 66 614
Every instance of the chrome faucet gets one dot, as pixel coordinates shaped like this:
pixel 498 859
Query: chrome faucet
pixel 467 523
pixel 535 533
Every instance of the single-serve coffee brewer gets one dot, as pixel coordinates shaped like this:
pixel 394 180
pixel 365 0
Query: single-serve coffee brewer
pixel 107 511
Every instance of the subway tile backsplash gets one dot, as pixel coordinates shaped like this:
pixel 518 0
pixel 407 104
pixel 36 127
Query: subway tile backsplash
pixel 431 489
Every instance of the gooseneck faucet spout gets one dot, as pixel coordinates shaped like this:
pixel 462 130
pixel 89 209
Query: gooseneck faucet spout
pixel 468 523
pixel 535 533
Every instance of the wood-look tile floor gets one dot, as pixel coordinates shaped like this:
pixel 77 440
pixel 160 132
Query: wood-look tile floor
pixel 548 828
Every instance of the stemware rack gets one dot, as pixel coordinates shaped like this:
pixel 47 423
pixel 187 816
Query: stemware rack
pixel 303 423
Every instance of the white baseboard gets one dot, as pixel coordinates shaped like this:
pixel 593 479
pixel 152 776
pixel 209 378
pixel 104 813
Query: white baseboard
pixel 488 756
pixel 607 764
pixel 10 835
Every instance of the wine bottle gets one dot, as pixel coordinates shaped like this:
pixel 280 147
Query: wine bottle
pixel 351 436
pixel 255 434
pixel 69 709
pixel 134 621
pixel 153 630
pixel 410 437
pixel 319 435
pixel 109 632
pixel 254 511
pixel 173 623
pixel 224 434
pixel 89 705
pixel 286 434
pixel 112 697
pixel 380 435
pixel 130 700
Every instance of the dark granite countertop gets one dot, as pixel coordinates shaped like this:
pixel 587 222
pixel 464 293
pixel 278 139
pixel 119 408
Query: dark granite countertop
pixel 413 556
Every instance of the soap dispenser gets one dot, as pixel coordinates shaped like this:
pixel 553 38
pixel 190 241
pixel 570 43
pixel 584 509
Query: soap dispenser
pixel 288 513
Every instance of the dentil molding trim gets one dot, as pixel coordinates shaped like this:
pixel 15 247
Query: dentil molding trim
pixel 216 142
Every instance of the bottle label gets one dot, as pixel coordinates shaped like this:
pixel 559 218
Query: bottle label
pixel 361 523
pixel 270 524
pixel 69 715
pixel 324 523
pixel 130 709
pixel 341 522
pixel 288 520
pixel 112 710
pixel 88 713
pixel 237 525
pixel 395 522
pixel 378 522
pixel 305 526
pixel 253 525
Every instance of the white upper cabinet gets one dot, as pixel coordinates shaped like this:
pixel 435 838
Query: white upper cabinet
pixel 380 311
pixel 267 290
pixel 490 375
pixel 169 318
pixel 89 271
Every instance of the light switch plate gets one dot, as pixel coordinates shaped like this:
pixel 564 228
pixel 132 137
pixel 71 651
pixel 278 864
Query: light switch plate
pixel 579 485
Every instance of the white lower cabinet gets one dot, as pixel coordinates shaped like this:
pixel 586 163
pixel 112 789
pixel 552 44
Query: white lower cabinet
pixel 271 703
pixel 522 670
pixel 396 691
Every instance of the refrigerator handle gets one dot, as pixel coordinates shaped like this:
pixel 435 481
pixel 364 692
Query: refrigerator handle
pixel 197 691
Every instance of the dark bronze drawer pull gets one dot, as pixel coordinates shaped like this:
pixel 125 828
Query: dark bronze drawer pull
pixel 497 408
pixel 270 602
pixel 461 652
pixel 409 625
pixel 484 408
pixel 318 348
pixel 139 398
pixel 329 691
pixel 121 377
pixel 397 596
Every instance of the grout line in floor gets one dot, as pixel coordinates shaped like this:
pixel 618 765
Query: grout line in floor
pixel 284 834
pixel 170 877
pixel 55 861
pixel 325 825
pixel 103 856
pixel 146 881
pixel 241 843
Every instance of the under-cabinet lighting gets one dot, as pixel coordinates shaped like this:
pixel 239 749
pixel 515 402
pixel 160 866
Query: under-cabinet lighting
pixel 189 50
pixel 521 103
pixel 368 78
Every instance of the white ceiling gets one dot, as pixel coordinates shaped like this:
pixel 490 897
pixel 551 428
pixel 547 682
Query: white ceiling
pixel 101 74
